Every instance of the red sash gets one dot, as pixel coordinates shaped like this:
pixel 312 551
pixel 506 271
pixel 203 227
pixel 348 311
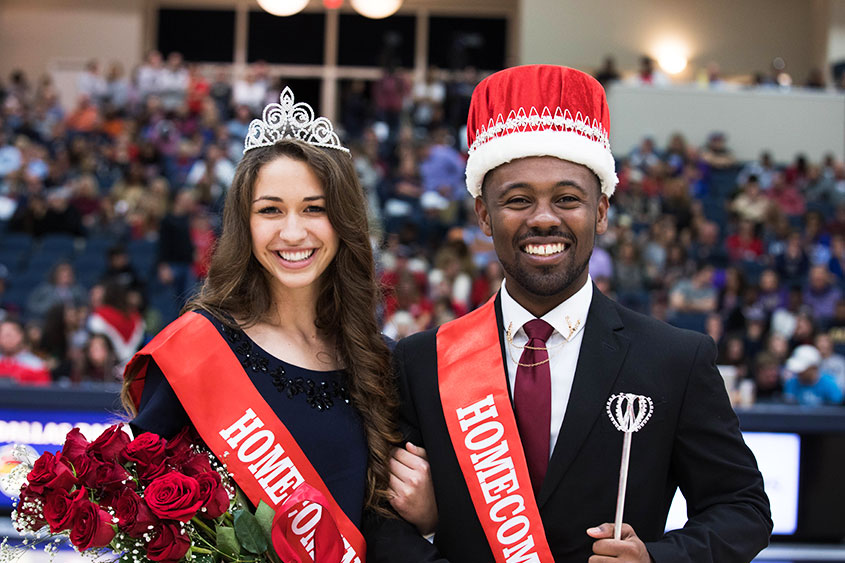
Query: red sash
pixel 482 426
pixel 241 429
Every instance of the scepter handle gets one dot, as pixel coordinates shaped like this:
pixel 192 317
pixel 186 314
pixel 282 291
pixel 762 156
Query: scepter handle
pixel 623 485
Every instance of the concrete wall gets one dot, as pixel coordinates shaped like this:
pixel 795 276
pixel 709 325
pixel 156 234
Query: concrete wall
pixel 784 123
pixel 742 37
pixel 47 35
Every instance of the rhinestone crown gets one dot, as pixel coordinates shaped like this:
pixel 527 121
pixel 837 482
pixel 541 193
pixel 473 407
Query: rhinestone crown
pixel 287 120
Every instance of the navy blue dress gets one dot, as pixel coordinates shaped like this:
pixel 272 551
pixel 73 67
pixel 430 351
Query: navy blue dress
pixel 313 405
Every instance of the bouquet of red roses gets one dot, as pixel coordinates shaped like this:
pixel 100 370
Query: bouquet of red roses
pixel 147 499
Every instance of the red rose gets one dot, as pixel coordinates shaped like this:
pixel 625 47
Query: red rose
pixel 30 510
pixel 91 526
pixel 49 473
pixel 147 452
pixel 110 477
pixel 57 510
pixel 215 499
pixel 86 468
pixel 109 444
pixel 179 447
pixel 75 446
pixel 197 464
pixel 133 515
pixel 170 544
pixel 174 496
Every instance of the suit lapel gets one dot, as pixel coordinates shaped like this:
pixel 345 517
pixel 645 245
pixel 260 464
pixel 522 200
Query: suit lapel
pixel 603 350
pixel 501 324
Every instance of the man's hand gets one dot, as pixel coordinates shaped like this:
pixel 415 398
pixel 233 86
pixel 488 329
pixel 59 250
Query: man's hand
pixel 606 549
pixel 411 489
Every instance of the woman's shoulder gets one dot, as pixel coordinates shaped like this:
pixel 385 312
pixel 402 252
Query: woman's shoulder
pixel 188 320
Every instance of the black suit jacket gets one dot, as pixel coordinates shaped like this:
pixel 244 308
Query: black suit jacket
pixel 692 441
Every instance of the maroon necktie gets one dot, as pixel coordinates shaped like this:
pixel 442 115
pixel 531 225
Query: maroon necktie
pixel 532 399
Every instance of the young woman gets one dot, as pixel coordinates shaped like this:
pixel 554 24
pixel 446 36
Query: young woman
pixel 280 353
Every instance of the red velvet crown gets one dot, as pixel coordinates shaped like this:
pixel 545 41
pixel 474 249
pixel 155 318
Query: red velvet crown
pixel 539 110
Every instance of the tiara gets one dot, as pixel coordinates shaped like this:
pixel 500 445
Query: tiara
pixel 287 120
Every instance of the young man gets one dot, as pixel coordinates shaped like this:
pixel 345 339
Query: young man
pixel 511 400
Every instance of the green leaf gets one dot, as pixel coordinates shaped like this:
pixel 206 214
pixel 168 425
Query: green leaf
pixel 249 532
pixel 264 514
pixel 227 542
pixel 203 558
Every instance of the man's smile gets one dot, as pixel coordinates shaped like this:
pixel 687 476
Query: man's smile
pixel 545 249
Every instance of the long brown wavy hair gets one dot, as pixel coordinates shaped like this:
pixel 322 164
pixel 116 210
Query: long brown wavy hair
pixel 237 287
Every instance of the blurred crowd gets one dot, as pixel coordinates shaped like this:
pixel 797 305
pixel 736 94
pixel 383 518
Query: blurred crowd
pixel 109 211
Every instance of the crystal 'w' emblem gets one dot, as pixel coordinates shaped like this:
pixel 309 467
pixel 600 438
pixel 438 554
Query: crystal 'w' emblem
pixel 629 412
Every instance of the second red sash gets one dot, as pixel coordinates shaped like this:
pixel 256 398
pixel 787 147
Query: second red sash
pixel 482 427
pixel 242 430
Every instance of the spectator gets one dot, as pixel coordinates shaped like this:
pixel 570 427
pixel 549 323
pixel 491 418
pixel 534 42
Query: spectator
pixel 629 279
pixel 601 263
pixel 771 294
pixel 487 283
pixel 785 317
pixel 443 172
pixel 91 83
pixel 176 250
pixel 608 74
pixel 118 89
pixel 118 321
pixel 220 91
pixel 85 118
pixel 832 364
pixel 150 76
pixel 214 174
pixel 61 287
pixel 768 387
pixel 429 97
pixel 716 154
pixel 17 363
pixel 821 294
pixel 677 155
pixel 793 264
pixel 695 294
pixel 751 204
pixel 389 94
pixel 744 245
pixel 764 170
pixel 836 264
pixel 98 363
pixel 250 91
pixel 644 158
pixel 648 75
pixel 706 248
pixel 173 82
pixel 60 341
pixel 786 197
pixel 808 386
pixel 6 308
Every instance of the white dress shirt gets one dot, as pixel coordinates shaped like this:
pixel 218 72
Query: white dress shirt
pixel 564 345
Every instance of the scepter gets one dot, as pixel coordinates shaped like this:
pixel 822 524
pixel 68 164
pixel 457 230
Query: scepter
pixel 628 413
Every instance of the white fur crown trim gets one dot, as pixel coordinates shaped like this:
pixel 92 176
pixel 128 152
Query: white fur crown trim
pixel 523 134
pixel 566 145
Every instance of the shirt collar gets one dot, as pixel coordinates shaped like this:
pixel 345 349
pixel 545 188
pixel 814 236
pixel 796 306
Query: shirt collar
pixel 568 318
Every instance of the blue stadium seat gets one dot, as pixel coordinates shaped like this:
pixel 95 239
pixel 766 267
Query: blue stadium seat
pixel 689 321
pixel 58 244
pixel 21 241
pixel 143 255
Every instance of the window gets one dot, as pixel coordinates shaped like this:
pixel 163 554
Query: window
pixel 296 39
pixel 454 43
pixel 366 42
pixel 200 35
